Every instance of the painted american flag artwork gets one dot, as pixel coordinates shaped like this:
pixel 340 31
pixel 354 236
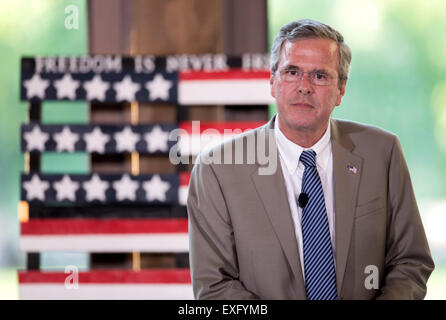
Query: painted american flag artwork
pixel 123 211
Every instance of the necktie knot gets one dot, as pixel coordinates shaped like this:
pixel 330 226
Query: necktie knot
pixel 308 158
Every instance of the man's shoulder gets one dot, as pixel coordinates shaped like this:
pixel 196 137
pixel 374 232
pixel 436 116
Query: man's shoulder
pixel 358 130
pixel 365 137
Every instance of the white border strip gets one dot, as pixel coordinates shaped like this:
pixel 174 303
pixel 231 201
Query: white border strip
pixel 160 242
pixel 224 92
pixel 183 192
pixel 106 292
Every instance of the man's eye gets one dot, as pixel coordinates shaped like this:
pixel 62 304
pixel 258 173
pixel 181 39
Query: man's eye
pixel 321 76
pixel 291 72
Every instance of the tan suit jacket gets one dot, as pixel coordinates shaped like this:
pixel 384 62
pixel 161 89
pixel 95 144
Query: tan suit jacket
pixel 242 237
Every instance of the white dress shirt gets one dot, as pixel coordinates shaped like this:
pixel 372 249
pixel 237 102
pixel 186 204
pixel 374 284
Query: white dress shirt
pixel 293 169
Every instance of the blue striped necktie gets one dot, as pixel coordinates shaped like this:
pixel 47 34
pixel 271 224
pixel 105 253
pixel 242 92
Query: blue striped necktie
pixel 320 275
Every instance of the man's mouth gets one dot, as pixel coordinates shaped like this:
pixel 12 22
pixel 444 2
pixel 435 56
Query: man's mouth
pixel 302 105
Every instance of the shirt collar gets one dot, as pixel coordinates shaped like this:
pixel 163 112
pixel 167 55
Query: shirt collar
pixel 290 151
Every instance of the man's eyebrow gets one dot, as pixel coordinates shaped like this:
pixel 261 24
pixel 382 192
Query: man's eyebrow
pixel 293 67
pixel 320 71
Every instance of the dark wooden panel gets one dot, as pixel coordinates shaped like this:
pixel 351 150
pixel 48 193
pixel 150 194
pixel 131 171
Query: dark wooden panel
pixel 33 261
pixel 207 113
pixel 109 25
pixel 148 260
pixel 110 261
pixel 110 163
pixel 245 26
pixel 149 164
pixel 245 31
pixel 246 113
pixel 110 113
pixel 129 211
pixel 177 26
pixel 149 113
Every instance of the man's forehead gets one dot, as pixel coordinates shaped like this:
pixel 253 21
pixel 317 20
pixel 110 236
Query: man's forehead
pixel 329 44
pixel 315 50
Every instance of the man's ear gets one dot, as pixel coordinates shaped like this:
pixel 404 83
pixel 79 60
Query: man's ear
pixel 341 93
pixel 271 82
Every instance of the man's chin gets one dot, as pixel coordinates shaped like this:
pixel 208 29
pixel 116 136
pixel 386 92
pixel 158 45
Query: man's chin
pixel 301 125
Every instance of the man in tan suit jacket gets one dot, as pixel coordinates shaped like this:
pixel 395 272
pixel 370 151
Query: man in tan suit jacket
pixel 242 236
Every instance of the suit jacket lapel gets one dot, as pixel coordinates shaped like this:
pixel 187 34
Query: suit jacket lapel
pixel 272 192
pixel 347 169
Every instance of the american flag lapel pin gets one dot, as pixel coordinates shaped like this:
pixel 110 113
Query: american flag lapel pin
pixel 352 168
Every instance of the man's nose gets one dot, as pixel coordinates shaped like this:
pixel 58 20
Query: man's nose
pixel 304 85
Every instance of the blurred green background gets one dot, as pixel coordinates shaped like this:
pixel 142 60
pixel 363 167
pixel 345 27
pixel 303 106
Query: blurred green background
pixel 397 82
pixel 31 28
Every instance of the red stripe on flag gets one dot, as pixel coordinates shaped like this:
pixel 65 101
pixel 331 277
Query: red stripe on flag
pixel 109 276
pixel 231 74
pixel 184 179
pixel 98 226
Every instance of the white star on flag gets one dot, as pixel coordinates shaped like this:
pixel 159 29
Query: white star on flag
pixel 158 87
pixel 157 139
pixel 66 87
pixel 126 140
pixel 35 87
pixel 96 88
pixel 96 140
pixel 156 188
pixel 35 189
pixel 125 188
pixel 126 89
pixel 66 189
pixel 35 139
pixel 66 139
pixel 95 188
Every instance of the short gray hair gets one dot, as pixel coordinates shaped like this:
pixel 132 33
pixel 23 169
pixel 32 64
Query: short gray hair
pixel 308 28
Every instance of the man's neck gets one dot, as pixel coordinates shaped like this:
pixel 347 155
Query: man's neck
pixel 305 138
